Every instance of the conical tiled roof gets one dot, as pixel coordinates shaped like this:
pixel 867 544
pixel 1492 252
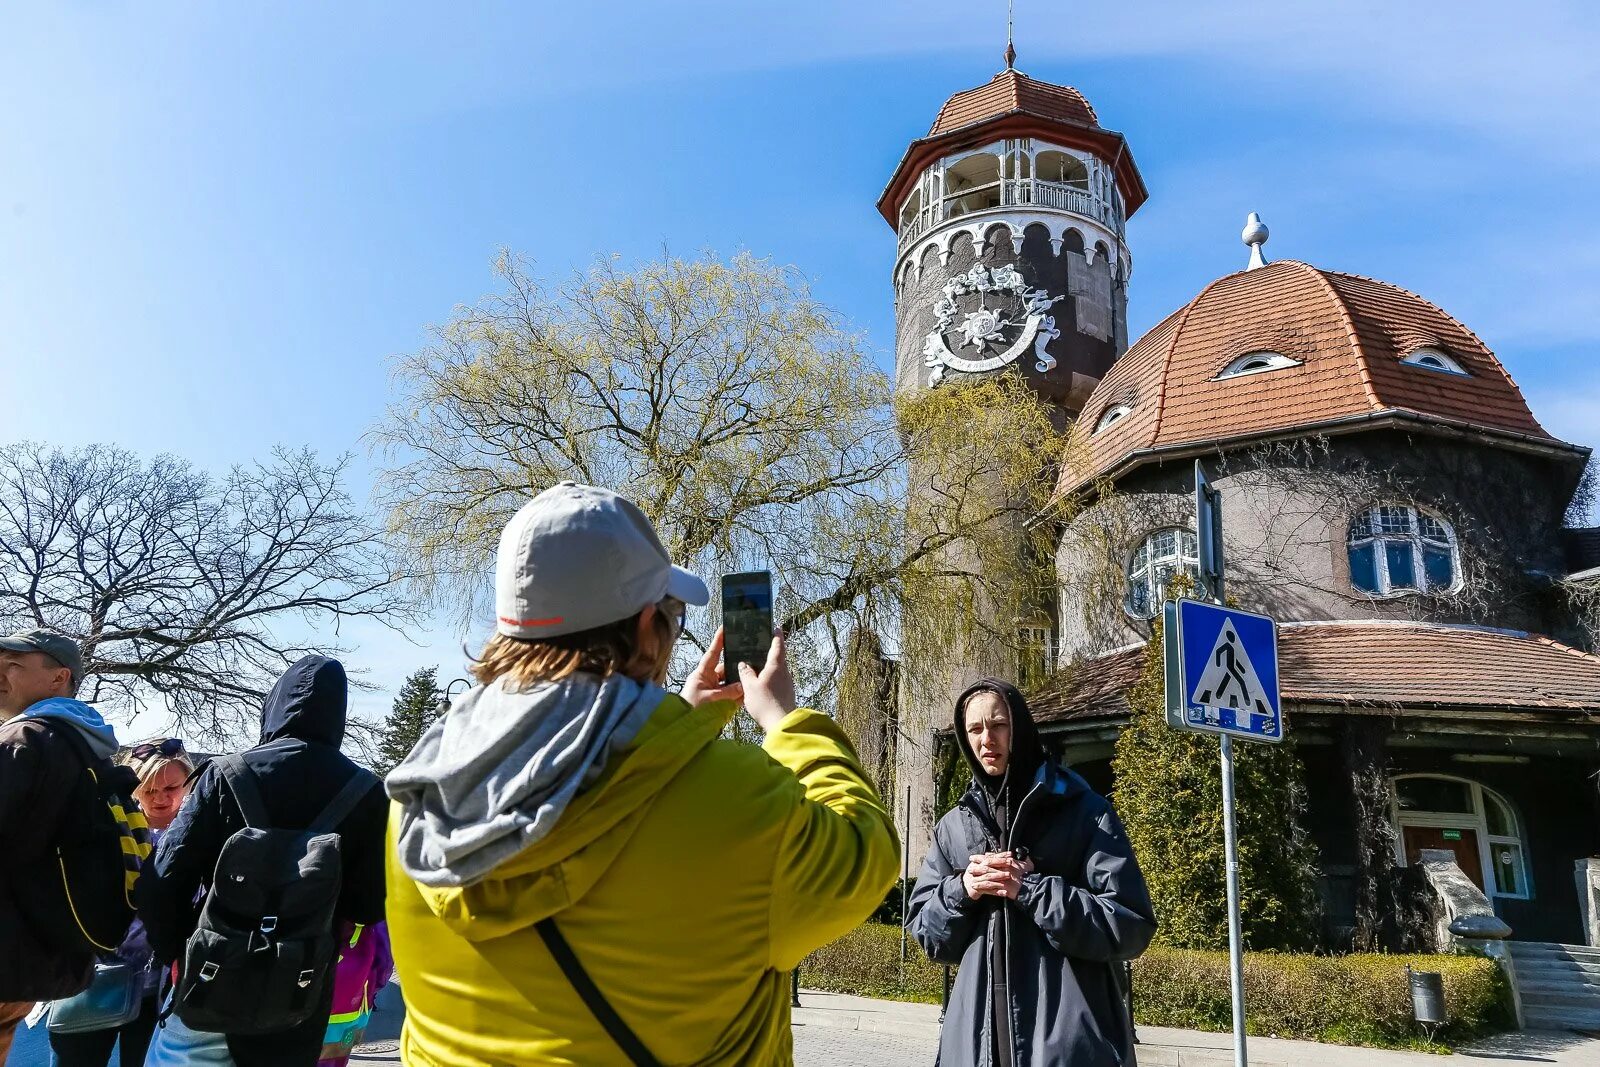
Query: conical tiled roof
pixel 1011 104
pixel 1348 335
pixel 1011 92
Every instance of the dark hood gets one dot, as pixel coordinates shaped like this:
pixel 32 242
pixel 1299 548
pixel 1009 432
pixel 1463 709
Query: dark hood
pixel 309 703
pixel 1027 753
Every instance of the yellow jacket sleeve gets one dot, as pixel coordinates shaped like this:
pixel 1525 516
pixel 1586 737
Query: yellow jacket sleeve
pixel 839 852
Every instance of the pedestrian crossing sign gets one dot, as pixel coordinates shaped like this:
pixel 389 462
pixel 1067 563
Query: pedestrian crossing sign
pixel 1222 671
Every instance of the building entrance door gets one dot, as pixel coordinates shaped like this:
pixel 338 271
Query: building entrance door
pixel 1462 840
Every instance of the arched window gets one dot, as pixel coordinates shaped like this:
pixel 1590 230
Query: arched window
pixel 1160 556
pixel 1433 359
pixel 1397 548
pixel 1256 363
pixel 972 184
pixel 1470 820
pixel 1110 415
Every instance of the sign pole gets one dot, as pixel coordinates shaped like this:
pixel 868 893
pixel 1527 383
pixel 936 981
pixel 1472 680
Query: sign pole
pixel 1235 940
pixel 1208 531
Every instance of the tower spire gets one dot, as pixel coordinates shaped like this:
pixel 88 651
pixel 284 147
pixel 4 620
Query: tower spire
pixel 1011 48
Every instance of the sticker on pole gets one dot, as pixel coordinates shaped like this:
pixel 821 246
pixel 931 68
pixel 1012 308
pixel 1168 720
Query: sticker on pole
pixel 1222 671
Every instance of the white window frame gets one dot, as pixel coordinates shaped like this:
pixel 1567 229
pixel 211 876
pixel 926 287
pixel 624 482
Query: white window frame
pixel 1436 361
pixel 1187 561
pixel 1111 416
pixel 1417 540
pixel 1477 821
pixel 1245 364
pixel 1040 637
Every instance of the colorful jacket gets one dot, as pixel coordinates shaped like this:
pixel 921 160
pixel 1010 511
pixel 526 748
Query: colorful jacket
pixel 365 966
pixel 689 879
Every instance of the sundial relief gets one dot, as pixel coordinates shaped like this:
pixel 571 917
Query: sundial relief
pixel 987 318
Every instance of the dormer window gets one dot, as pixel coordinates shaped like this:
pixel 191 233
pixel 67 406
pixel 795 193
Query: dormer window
pixel 1433 359
pixel 1111 415
pixel 1257 363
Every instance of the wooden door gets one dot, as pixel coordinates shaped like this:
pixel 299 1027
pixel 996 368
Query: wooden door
pixel 1460 840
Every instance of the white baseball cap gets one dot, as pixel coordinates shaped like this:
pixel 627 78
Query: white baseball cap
pixel 577 557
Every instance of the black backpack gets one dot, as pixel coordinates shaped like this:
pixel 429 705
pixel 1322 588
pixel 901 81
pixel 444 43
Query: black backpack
pixel 99 855
pixel 264 946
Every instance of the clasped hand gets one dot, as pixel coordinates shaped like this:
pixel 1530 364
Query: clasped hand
pixel 997 874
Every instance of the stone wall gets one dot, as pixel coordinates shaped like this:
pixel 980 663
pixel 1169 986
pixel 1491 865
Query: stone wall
pixel 1286 520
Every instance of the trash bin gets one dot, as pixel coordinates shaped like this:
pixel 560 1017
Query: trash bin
pixel 1427 996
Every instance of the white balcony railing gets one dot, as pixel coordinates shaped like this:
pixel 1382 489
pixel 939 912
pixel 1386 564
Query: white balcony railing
pixel 1012 192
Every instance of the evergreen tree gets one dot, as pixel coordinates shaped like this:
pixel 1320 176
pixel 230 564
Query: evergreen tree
pixel 1169 795
pixel 414 710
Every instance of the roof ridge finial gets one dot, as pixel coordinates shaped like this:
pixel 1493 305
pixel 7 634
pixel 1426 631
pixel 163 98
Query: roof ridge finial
pixel 1011 48
pixel 1255 235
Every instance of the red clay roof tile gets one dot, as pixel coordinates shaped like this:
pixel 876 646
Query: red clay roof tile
pixel 1011 91
pixel 1400 666
pixel 1348 334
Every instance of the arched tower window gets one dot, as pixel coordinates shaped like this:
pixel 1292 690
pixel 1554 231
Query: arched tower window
pixel 1159 556
pixel 972 184
pixel 1063 168
pixel 1474 822
pixel 1398 548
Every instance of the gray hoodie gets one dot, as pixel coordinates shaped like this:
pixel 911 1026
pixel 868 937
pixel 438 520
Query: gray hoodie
pixel 495 773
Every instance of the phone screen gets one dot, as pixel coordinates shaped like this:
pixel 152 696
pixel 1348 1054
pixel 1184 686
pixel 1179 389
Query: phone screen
pixel 746 620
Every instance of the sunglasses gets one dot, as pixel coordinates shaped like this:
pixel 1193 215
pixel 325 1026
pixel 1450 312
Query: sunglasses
pixel 166 747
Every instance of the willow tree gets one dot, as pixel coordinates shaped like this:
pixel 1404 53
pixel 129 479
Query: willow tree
pixel 748 422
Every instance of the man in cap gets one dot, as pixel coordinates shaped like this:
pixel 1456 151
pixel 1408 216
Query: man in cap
pixel 44 798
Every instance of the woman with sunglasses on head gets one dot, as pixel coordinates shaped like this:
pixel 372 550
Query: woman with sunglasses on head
pixel 163 768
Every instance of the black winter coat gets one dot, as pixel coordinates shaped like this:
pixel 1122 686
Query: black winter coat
pixel 300 769
pixel 44 797
pixel 1083 911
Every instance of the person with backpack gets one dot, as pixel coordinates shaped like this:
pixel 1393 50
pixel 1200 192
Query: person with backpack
pixel 1032 888
pixel 163 769
pixel 584 868
pixel 272 850
pixel 54 759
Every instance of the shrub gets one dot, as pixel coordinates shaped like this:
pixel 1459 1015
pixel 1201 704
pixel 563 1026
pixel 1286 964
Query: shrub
pixel 1169 795
pixel 1352 1000
pixel 1357 999
pixel 866 962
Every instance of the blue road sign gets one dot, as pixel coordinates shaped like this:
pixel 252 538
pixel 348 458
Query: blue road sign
pixel 1222 671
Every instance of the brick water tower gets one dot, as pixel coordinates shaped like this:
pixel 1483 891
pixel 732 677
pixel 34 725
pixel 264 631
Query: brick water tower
pixel 1012 255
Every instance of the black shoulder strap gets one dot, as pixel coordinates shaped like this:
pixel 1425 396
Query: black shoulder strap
pixel 607 1016
pixel 359 785
pixel 242 781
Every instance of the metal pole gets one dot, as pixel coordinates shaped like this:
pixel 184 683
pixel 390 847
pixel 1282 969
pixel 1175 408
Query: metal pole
pixel 1235 940
pixel 905 877
pixel 794 988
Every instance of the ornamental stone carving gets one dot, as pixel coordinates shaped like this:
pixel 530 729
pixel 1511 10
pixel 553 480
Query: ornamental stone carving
pixel 996 336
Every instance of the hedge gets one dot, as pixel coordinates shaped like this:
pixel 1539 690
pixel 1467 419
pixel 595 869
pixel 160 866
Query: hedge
pixel 1351 1000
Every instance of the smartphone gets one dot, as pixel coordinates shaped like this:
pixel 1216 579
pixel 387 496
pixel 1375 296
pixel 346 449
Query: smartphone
pixel 746 620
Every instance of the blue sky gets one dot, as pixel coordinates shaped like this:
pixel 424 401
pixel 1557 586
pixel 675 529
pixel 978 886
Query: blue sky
pixel 218 222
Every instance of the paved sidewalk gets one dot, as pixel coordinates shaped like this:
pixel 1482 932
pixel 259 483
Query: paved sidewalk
pixel 835 1030
pixel 918 1026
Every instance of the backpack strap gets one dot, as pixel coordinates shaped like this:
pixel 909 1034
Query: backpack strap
pixel 246 793
pixel 343 803
pixel 596 1001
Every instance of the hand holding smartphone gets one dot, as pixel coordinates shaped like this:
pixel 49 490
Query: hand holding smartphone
pixel 746 620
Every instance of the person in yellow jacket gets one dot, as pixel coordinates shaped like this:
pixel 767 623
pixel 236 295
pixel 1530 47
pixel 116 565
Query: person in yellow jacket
pixel 568 821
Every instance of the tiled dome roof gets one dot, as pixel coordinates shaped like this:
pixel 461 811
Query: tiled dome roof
pixel 1010 92
pixel 1347 334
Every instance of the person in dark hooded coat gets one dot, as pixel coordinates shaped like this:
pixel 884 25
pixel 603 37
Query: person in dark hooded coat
pixel 1032 888
pixel 299 769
